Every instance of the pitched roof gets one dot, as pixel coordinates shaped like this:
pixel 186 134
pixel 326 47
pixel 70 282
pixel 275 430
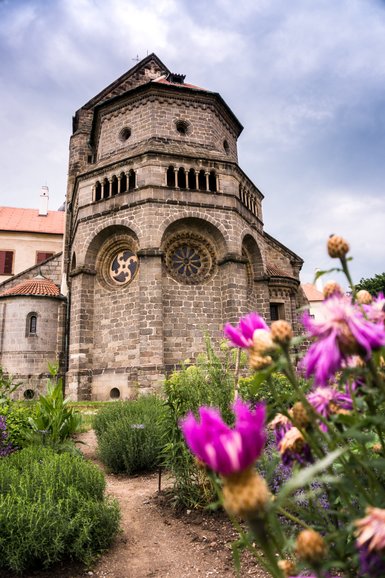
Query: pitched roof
pixel 29 220
pixel 39 285
pixel 274 271
pixel 311 292
pixel 164 80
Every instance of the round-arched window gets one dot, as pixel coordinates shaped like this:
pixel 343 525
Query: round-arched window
pixel 115 393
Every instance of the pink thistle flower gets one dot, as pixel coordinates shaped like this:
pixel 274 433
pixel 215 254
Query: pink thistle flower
pixel 345 330
pixel 371 530
pixel 376 310
pixel 242 334
pixel 221 448
pixel 327 401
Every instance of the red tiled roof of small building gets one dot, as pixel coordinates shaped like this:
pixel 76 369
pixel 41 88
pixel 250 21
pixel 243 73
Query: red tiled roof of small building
pixel 163 80
pixel 312 293
pixel 39 285
pixel 29 220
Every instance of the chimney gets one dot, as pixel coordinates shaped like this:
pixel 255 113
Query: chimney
pixel 44 196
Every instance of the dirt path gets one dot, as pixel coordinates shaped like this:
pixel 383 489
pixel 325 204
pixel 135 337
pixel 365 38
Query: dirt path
pixel 154 544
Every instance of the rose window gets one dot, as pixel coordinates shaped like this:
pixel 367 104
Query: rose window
pixel 189 258
pixel 124 266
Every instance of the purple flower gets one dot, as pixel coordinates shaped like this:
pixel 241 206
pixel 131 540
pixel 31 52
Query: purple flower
pixel 345 330
pixel 242 334
pixel 5 446
pixel 327 401
pixel 221 448
pixel 371 563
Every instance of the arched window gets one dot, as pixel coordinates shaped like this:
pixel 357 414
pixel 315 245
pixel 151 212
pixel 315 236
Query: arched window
pixel 31 324
pixel 123 182
pixel 114 186
pixel 202 180
pixel 98 191
pixel 192 180
pixel 181 178
pixel 131 180
pixel 170 177
pixel 212 181
pixel 106 189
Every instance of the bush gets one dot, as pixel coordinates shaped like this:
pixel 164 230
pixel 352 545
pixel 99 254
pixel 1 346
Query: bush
pixel 17 419
pixel 210 382
pixel 52 507
pixel 129 435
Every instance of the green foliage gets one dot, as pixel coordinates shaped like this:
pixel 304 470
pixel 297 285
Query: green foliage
pixel 374 285
pixel 18 425
pixel 7 386
pixel 129 435
pixel 52 507
pixel 54 420
pixel 210 382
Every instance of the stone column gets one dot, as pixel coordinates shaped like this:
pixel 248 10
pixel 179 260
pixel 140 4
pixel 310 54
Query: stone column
pixel 234 287
pixel 151 347
pixel 186 173
pixel 79 374
pixel 207 174
pixel 176 178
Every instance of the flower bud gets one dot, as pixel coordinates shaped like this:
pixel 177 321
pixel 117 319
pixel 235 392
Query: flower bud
pixel 292 441
pixel 258 362
pixel 262 342
pixel 310 547
pixel 332 289
pixel 364 297
pixel 245 494
pixel 337 247
pixel 281 332
pixel 300 415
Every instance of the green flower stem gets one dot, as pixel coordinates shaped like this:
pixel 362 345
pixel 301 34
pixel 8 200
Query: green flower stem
pixel 293 518
pixel 372 411
pixel 345 269
pixel 378 382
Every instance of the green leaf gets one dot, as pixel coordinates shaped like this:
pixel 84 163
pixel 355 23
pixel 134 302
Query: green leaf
pixel 307 475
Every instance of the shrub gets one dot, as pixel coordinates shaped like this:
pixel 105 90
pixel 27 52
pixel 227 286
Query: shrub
pixel 17 418
pixel 209 382
pixel 52 507
pixel 129 435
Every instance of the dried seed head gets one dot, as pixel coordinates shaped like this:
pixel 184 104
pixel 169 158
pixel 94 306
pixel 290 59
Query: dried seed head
pixel 258 362
pixel 300 415
pixel 337 247
pixel 287 567
pixel 310 546
pixel 245 494
pixel 263 343
pixel 292 441
pixel 332 289
pixel 281 332
pixel 364 297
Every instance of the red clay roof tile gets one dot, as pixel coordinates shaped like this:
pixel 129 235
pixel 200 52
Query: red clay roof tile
pixel 36 286
pixel 312 293
pixel 29 220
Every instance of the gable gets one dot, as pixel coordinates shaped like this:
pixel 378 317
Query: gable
pixel 146 70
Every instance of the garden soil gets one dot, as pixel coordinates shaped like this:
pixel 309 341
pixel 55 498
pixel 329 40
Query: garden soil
pixel 154 540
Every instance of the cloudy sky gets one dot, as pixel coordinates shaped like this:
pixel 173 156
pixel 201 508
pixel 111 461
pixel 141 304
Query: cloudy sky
pixel 306 78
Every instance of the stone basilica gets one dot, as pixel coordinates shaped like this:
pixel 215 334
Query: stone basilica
pixel 164 241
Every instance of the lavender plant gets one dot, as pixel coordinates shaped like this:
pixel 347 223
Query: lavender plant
pixel 328 518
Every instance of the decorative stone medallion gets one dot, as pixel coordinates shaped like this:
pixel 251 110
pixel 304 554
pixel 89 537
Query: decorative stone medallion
pixel 189 258
pixel 124 266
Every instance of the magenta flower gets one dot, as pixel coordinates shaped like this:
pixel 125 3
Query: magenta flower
pixel 242 334
pixel 345 330
pixel 327 401
pixel 221 448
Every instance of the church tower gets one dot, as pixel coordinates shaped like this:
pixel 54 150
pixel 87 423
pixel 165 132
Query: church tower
pixel 164 236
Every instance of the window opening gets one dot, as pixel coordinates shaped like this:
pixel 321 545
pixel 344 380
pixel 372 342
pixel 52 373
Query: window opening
pixel 123 182
pixel 170 177
pixel 131 180
pixel 181 178
pixel 29 394
pixel 212 181
pixel 115 393
pixel 182 127
pixel 106 189
pixel 202 180
pixel 98 191
pixel 114 186
pixel 42 256
pixel 192 181
pixel 277 311
pixel 6 262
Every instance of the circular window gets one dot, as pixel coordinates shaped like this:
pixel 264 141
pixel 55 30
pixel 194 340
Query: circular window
pixel 189 258
pixel 123 267
pixel 114 393
pixel 124 134
pixel 29 394
pixel 117 263
pixel 182 126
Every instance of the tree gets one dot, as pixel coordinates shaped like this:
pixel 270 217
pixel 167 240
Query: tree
pixel 374 285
